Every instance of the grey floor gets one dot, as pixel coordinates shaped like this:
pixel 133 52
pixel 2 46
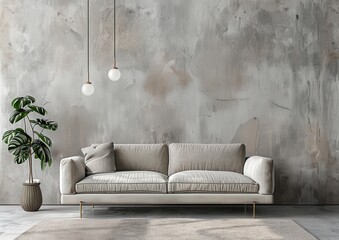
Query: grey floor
pixel 321 221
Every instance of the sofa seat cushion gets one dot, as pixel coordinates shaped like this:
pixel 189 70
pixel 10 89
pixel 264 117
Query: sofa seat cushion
pixel 123 182
pixel 211 181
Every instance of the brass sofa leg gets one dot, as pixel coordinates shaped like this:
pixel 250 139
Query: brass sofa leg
pixel 253 209
pixel 81 209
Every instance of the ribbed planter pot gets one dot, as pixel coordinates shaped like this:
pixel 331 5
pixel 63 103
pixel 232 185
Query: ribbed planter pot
pixel 31 197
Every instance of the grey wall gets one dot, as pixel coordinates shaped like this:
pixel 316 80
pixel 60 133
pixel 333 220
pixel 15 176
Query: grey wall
pixel 260 72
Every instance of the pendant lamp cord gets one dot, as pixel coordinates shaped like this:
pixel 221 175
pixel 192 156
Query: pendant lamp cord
pixel 87 40
pixel 114 55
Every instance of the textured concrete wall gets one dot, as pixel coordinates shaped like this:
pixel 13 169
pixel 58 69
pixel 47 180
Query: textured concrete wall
pixel 260 72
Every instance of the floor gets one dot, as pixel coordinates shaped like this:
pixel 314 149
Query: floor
pixel 321 221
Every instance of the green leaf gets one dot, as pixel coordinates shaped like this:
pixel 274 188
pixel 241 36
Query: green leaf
pixel 44 138
pixel 21 102
pixel 38 109
pixel 19 114
pixel 45 123
pixel 43 153
pixel 21 158
pixel 20 144
pixel 42 165
pixel 8 135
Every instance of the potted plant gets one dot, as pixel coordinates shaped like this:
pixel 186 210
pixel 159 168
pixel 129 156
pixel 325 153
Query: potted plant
pixel 28 142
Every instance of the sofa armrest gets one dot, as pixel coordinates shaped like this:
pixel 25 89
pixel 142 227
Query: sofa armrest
pixel 261 170
pixel 72 170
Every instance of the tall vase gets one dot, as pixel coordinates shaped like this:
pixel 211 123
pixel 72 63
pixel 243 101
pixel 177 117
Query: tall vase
pixel 31 197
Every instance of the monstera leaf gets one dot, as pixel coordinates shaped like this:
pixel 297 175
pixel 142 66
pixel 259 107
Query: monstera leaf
pixel 44 138
pixel 38 109
pixel 42 152
pixel 8 135
pixel 45 123
pixel 21 102
pixel 20 146
pixel 19 114
pixel 21 158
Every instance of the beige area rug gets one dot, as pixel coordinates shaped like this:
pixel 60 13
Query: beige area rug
pixel 166 228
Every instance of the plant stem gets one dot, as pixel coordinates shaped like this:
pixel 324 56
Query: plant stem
pixel 30 162
pixel 29 120
pixel 30 169
pixel 25 124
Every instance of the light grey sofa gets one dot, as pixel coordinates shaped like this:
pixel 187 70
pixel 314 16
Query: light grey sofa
pixel 177 173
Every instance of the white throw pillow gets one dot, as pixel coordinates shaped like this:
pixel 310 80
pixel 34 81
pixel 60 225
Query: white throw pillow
pixel 99 158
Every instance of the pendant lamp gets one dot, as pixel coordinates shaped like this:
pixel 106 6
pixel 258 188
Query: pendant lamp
pixel 87 88
pixel 114 74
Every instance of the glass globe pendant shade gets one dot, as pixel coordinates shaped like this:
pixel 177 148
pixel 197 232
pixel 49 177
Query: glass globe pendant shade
pixel 87 88
pixel 114 74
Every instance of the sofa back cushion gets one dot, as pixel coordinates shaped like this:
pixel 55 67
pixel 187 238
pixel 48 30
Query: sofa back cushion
pixel 212 157
pixel 141 157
